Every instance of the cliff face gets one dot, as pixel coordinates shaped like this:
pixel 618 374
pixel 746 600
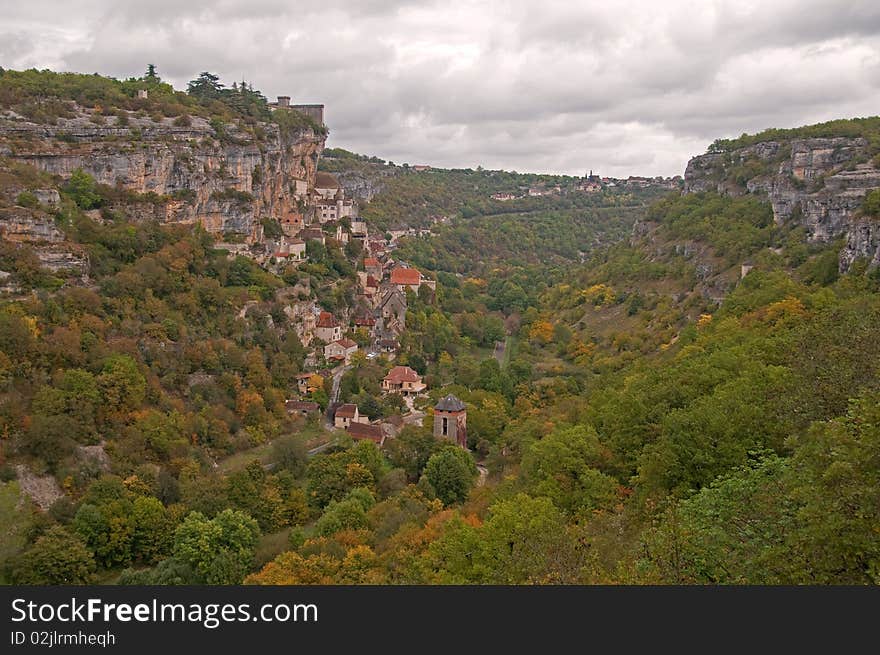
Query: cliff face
pixel 226 183
pixel 820 183
pixel 362 185
pixel 361 178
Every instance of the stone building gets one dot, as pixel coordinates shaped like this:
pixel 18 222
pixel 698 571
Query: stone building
pixel 313 111
pixel 326 185
pixel 347 415
pixel 363 431
pixel 340 351
pixel 301 407
pixel 373 266
pixel 403 380
pixel 392 310
pixel 327 328
pixel 450 420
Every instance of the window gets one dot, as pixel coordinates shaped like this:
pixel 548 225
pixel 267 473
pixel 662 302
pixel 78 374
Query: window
pixel 445 427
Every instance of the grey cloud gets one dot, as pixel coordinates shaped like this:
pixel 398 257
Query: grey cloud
pixel 632 88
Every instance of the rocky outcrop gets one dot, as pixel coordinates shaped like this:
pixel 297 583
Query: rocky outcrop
pixel 23 225
pixel 42 490
pixel 862 242
pixel 361 185
pixel 226 180
pixel 68 258
pixel 36 228
pixel 820 183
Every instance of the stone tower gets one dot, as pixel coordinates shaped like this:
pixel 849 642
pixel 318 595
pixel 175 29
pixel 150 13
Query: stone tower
pixel 450 420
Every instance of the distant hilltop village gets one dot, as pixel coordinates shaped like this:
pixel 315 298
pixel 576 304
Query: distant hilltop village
pixel 591 183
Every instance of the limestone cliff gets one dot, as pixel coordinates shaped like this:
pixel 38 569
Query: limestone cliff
pixel 362 178
pixel 224 177
pixel 818 182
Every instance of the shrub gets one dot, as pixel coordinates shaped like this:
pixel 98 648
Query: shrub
pixel 27 199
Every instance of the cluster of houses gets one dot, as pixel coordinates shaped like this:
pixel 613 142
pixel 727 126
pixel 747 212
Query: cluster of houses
pixel 592 183
pixel 450 414
pixel 323 212
pixel 380 310
pixel 449 422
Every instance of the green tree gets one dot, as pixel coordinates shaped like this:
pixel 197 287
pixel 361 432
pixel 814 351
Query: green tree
pixel 107 529
pixel 451 472
pixel 56 558
pixel 347 514
pixel 122 385
pixel 170 571
pixel 836 468
pixel 153 530
pixel 525 540
pixel 219 550
pixel 563 467
pixel 411 450
pixel 83 189
pixel 731 532
pixel 206 86
pixel 289 454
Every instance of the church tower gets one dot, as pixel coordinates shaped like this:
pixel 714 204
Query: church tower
pixel 450 420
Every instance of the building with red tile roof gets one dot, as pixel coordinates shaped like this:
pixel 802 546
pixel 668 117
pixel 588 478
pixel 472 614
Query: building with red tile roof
pixel 403 380
pixel 373 267
pixel 328 329
pixel 405 278
pixel 347 415
pixel 362 431
pixel 340 350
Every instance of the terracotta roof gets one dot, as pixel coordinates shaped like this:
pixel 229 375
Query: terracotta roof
pixel 301 406
pixel 326 320
pixel 346 411
pixel 406 276
pixel 372 282
pixel 296 242
pixel 450 404
pixel 304 376
pixel 325 181
pixel 364 320
pixel 346 343
pixel 401 374
pixel 365 431
pixel 371 262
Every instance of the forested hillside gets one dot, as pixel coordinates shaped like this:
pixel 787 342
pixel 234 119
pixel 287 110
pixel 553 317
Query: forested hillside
pixel 660 388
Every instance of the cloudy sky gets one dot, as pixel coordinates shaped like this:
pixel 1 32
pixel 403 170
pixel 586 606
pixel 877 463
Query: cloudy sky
pixel 550 86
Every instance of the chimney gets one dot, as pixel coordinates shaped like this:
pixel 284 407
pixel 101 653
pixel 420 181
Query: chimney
pixel 284 101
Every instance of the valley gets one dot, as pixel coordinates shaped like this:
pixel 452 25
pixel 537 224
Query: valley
pixel 230 354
